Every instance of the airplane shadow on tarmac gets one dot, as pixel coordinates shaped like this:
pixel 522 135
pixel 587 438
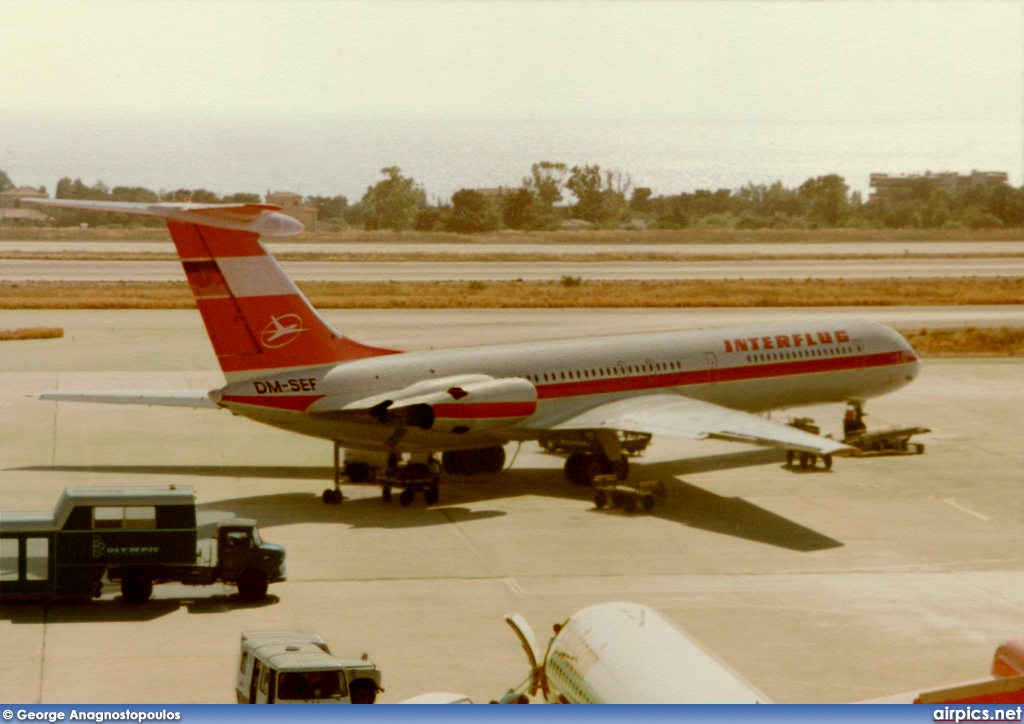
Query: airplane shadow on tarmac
pixel 686 504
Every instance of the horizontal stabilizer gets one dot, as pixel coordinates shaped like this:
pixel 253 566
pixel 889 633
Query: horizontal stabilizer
pixel 157 398
pixel 262 219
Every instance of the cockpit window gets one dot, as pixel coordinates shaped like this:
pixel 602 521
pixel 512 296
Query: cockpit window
pixel 309 686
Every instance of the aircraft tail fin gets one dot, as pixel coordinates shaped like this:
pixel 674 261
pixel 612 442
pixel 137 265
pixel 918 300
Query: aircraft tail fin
pixel 258 321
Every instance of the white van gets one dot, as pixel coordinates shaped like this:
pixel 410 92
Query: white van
pixel 282 667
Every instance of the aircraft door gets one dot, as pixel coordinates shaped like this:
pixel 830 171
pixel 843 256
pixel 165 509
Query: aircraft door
pixel 712 361
pixel 858 350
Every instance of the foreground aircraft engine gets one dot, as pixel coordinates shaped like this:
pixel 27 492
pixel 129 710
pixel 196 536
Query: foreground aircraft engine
pixel 455 405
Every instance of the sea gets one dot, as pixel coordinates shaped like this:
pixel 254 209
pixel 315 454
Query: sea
pixel 338 154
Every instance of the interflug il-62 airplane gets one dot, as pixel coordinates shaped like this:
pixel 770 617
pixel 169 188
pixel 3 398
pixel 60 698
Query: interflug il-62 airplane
pixel 286 367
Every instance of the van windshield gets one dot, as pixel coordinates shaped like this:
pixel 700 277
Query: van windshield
pixel 309 686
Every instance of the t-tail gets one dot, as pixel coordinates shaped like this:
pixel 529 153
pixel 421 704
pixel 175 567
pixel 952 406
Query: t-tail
pixel 257 319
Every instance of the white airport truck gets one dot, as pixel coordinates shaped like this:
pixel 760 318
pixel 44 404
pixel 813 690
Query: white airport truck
pixel 284 667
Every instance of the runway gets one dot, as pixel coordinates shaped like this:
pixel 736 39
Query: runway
pixel 883 575
pixel 25 270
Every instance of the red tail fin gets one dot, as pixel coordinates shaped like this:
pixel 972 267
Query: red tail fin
pixel 256 317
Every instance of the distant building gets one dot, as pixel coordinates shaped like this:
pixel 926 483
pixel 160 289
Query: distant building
pixel 884 186
pixel 12 210
pixel 291 204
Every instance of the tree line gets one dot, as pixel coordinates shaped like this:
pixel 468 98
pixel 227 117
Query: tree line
pixel 554 193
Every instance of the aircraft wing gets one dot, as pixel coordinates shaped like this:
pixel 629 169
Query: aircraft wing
pixel 160 398
pixel 678 416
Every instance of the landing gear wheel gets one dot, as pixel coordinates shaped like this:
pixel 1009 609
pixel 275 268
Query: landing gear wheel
pixel 600 499
pixel 252 585
pixel 385 494
pixel 807 460
pixel 431 495
pixel 331 497
pixel 596 466
pixel 576 469
pixel 452 462
pixel 407 497
pixel 826 461
pixel 790 457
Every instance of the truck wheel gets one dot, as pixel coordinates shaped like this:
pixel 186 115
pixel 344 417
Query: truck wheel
pixel 648 503
pixel 136 588
pixel 252 585
pixel 629 503
pixel 600 499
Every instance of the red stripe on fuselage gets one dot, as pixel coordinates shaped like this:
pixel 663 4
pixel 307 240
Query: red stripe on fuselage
pixel 768 370
pixel 484 410
pixel 295 403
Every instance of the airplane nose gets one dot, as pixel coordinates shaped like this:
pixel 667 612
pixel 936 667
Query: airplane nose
pixel 913 366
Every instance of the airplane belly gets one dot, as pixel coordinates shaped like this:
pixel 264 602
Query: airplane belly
pixel 365 435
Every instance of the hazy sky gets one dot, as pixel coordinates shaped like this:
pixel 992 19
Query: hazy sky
pixel 247 62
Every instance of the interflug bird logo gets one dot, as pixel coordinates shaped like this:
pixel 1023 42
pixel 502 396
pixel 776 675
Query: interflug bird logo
pixel 282 330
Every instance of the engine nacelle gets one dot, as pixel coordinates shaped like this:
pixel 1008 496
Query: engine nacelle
pixel 479 405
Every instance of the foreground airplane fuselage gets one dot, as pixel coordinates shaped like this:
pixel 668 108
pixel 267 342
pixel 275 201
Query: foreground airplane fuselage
pixel 627 653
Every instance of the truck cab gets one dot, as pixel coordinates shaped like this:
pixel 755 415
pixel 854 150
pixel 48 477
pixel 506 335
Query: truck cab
pixel 283 667
pixel 243 558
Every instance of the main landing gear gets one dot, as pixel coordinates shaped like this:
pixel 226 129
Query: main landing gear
pixel 606 460
pixel 410 476
pixel 585 468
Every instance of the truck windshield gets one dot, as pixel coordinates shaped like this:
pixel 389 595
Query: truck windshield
pixel 309 686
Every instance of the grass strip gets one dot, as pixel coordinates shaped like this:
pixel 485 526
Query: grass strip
pixel 11 335
pixel 570 292
pixel 968 341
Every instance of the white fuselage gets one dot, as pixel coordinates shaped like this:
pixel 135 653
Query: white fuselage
pixel 627 653
pixel 752 369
